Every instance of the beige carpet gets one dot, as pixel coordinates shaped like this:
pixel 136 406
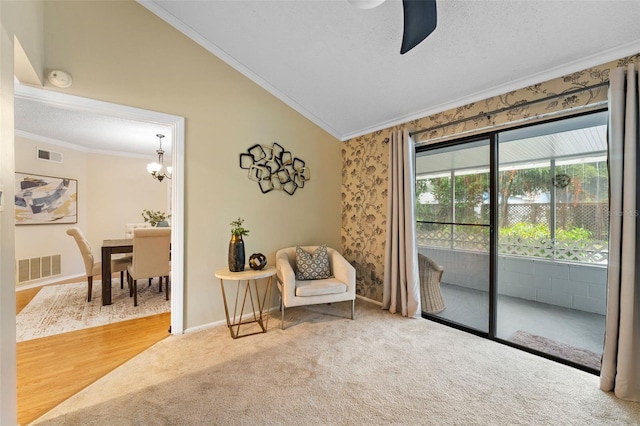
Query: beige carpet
pixel 379 369
pixel 63 308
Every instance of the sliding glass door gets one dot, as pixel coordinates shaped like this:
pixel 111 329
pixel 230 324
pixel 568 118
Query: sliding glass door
pixel 538 281
pixel 552 244
pixel 453 215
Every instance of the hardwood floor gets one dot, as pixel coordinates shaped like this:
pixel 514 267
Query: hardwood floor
pixel 52 369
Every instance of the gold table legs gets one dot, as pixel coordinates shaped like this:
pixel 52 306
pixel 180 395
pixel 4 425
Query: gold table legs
pixel 260 316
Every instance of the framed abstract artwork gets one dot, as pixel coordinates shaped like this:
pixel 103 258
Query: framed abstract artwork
pixel 45 200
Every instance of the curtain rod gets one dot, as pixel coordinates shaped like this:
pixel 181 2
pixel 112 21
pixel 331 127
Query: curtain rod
pixel 500 110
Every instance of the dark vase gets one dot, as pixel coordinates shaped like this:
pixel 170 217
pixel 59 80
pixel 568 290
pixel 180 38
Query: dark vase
pixel 236 254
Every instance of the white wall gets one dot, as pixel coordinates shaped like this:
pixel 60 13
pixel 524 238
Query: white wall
pixel 580 286
pixel 112 191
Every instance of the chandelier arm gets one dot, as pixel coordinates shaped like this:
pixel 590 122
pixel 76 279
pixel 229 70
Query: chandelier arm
pixel 157 170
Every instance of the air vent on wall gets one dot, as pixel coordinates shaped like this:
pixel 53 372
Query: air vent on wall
pixel 38 267
pixel 45 154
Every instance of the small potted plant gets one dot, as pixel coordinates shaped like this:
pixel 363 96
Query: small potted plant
pixel 155 218
pixel 236 245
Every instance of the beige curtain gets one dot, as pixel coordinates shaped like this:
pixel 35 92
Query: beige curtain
pixel 401 288
pixel 620 371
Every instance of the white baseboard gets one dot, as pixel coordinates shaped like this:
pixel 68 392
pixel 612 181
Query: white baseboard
pixel 366 299
pixel 205 326
pixel 47 281
pixel 221 322
pixel 271 310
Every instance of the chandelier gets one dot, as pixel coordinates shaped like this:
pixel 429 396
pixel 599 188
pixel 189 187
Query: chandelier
pixel 156 169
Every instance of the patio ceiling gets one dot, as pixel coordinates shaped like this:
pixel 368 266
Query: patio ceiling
pixel 575 138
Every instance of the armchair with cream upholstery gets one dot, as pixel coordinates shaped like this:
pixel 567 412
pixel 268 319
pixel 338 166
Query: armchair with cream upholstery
pixel 93 268
pixel 341 287
pixel 151 258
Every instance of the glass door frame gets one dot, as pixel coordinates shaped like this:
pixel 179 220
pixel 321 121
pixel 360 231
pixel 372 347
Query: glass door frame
pixel 492 137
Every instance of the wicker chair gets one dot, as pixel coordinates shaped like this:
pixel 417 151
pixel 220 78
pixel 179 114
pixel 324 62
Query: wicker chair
pixel 430 294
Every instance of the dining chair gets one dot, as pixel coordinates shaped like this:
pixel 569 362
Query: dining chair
pixel 129 227
pixel 151 258
pixel 93 268
pixel 128 232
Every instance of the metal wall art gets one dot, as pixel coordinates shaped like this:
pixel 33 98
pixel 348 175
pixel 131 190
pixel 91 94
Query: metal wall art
pixel 274 168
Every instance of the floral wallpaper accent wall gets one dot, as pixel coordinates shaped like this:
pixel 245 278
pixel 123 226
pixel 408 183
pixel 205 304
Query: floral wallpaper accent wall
pixel 365 163
pixel 365 158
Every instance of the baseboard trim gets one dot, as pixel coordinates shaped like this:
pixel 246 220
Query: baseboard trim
pixel 366 299
pixel 271 310
pixel 55 280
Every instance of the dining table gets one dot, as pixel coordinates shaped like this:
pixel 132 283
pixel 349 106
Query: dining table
pixel 110 247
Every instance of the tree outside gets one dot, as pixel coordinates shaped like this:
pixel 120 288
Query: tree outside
pixel 580 199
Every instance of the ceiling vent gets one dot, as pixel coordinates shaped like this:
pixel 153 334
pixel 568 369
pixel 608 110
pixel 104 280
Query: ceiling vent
pixel 44 154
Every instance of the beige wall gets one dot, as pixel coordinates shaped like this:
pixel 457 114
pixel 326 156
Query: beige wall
pixel 117 189
pixel 112 191
pixel 365 159
pixel 122 53
pixel 46 240
pixel 29 50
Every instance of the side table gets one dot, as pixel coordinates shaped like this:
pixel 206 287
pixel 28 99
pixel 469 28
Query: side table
pixel 261 314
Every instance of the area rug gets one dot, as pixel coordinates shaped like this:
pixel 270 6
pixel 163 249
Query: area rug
pixel 63 308
pixel 559 349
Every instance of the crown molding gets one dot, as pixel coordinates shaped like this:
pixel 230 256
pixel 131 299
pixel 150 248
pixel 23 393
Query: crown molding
pixel 601 58
pixel 232 62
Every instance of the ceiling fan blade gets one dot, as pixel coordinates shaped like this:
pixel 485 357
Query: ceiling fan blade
pixel 420 19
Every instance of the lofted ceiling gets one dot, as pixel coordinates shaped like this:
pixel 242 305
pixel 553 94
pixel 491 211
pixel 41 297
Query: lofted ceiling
pixel 341 67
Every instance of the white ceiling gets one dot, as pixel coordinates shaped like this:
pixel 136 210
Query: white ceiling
pixel 341 66
pixel 88 125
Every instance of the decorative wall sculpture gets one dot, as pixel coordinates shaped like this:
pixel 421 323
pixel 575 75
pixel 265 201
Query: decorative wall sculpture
pixel 274 168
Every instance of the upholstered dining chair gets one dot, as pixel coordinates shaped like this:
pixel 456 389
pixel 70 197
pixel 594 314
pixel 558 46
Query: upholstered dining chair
pixel 93 268
pixel 128 231
pixel 430 293
pixel 129 227
pixel 151 258
pixel 299 284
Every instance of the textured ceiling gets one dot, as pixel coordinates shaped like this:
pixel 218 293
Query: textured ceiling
pixel 66 123
pixel 341 67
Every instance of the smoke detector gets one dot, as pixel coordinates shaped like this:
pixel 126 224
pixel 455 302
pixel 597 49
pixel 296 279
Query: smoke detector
pixel 60 78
